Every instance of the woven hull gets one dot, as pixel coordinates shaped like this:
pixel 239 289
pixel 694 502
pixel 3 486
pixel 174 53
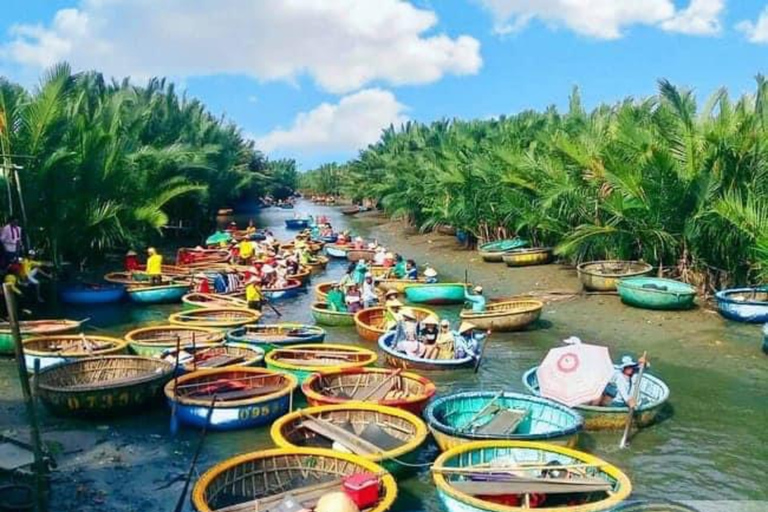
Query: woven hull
pixel 604 276
pixel 226 418
pixel 397 359
pixel 742 305
pixel 493 252
pixel 92 295
pixel 324 316
pixel 289 291
pixel 43 349
pixel 397 285
pixel 269 337
pixel 449 293
pixel 358 358
pixel 633 292
pixel 153 341
pixel 498 317
pixel 528 257
pixel 360 254
pixel 158 294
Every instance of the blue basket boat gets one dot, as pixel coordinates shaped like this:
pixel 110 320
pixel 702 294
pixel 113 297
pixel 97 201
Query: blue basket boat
pixel 290 290
pixel 484 415
pixel 337 251
pixel 92 294
pixel 654 393
pixel 296 224
pixel 493 252
pixel 744 304
pixel 437 293
pixel 398 359
pixel 329 239
pixel 501 476
pixel 158 294
pixel 245 397
pixel 272 336
pixel 656 293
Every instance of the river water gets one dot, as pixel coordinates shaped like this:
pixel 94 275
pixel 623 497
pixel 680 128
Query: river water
pixel 712 449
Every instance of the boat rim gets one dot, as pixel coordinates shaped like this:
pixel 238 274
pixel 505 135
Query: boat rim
pixel 387 480
pixel 429 387
pixel 170 391
pixel 628 283
pixel 528 250
pixel 416 440
pixel 582 268
pixel 129 336
pixel 117 345
pixel 401 355
pixel 359 315
pixel 150 288
pixel 535 305
pixel 723 296
pixel 328 311
pixel 62 326
pixel 149 377
pixel 431 419
pixel 272 359
pixel 625 485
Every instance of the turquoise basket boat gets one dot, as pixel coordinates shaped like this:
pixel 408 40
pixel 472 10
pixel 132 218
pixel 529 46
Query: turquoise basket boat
pixel 654 393
pixel 437 293
pixel 656 293
pixel 493 252
pixel 158 294
pixel 744 304
pixel 500 476
pixel 484 415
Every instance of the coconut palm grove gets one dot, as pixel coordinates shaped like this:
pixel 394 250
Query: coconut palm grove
pixel 390 256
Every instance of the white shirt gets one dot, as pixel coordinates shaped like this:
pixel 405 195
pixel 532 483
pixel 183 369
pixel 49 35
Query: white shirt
pixel 379 258
pixel 624 386
pixel 369 292
pixel 11 237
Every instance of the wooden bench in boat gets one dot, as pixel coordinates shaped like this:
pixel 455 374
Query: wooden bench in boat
pixel 506 483
pixel 239 394
pixel 307 496
pixel 504 422
pixel 220 361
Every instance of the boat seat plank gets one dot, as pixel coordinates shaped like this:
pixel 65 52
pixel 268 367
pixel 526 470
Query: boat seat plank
pixel 524 485
pixel 374 393
pixel 333 432
pixel 307 496
pixel 220 361
pixel 504 422
pixel 109 383
pixel 240 394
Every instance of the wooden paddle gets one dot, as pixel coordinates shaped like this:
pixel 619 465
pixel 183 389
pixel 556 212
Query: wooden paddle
pixel 479 357
pixel 631 414
pixel 389 379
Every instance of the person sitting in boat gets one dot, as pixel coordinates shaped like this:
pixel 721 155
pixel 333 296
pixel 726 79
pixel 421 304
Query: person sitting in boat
pixel 361 269
pixel 389 259
pixel 466 342
pixel 477 300
pixel 253 294
pixel 200 281
pixel 250 230
pixel 245 251
pixel 619 391
pixel 281 275
pixel 353 299
pixel 358 244
pixel 131 261
pixel 154 266
pixel 411 271
pixel 428 336
pixel 430 275
pixel 268 276
pixel 348 277
pixel 370 298
pixel 444 341
pixel 408 334
pixel 292 262
pixel 380 256
pixel 335 299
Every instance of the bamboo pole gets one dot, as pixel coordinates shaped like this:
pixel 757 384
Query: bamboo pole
pixel 40 494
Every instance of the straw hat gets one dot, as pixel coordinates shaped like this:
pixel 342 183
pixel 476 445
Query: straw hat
pixel 394 303
pixel 359 239
pixel 430 320
pixel 131 253
pixel 478 289
pixel 391 293
pixel 408 313
pixel 151 250
pixel 466 326
pixel 430 272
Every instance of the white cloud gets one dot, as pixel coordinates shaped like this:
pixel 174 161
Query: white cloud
pixel 756 32
pixel 351 124
pixel 342 44
pixel 606 19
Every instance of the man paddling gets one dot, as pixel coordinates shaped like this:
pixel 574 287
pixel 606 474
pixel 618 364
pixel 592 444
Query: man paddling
pixel 619 391
pixel 477 300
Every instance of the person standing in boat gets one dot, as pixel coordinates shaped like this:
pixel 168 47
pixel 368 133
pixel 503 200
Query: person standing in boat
pixel 370 298
pixel 10 236
pixel 353 299
pixel 361 269
pixel 466 341
pixel 245 251
pixel 253 294
pixel 335 299
pixel 477 300
pixel 348 277
pixel 399 270
pixel 154 266
pixel 619 391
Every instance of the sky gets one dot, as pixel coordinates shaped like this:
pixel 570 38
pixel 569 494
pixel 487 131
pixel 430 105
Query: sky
pixel 317 80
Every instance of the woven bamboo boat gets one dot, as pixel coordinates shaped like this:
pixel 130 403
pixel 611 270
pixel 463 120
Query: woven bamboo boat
pixel 525 257
pixel 337 250
pixel 493 252
pixel 654 394
pixel 225 355
pixel 397 359
pixel 35 328
pixel 60 348
pixel 92 294
pixel 304 360
pixel 325 316
pixel 153 341
pixel 398 285
pixel 436 293
pixel 245 397
pixel 467 416
pixel 377 433
pixel 216 318
pixel 479 476
pixel 157 294
pixel 271 336
pixel 360 254
pixel 289 290
pixel 212 300
pixel 505 316
pixel 321 291
pixel 133 279
pixel 403 390
pixel 656 293
pixel 603 276
pixel 371 323
pixel 302 276
pixel 744 304
pixel 319 264
pixel 103 386
pixel 261 480
pixel 653 506
pixel 200 258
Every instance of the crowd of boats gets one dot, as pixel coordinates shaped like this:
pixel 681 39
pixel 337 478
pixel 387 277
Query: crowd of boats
pixel 342 427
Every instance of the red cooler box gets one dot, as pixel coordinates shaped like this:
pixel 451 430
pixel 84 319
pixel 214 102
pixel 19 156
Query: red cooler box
pixel 363 488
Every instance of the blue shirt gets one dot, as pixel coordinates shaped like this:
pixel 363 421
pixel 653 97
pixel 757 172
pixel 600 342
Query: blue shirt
pixel 478 302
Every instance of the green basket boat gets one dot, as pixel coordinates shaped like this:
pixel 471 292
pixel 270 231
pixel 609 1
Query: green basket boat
pixel 325 316
pixel 303 360
pixel 502 476
pixel 29 328
pixel 436 293
pixel 467 416
pixel 269 337
pixel 493 252
pixel 656 293
pixel 654 394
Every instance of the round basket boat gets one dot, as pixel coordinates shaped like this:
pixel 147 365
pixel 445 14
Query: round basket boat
pixel 303 275
pixel 35 328
pixel 291 289
pixel 269 337
pixel 360 254
pixel 53 350
pixel 296 224
pixel 132 279
pixel 744 304
pixel 157 294
pixel 224 355
pixel 337 250
pixel 383 435
pixel 505 316
pixel 350 210
pixel 103 386
pixel 321 291
pixel 525 257
pixel 215 318
pixel 436 293
pixel 153 341
pixel 493 252
pixel 403 390
pixel 484 415
pixel 603 276
pixel 245 397
pixel 325 316
pixel 92 294
pixel 654 394
pixel 318 265
pixel 474 477
pixel 397 359
pixel 397 285
pixel 304 360
pixel 656 293
pixel 212 300
pixel 261 480
pixel 371 323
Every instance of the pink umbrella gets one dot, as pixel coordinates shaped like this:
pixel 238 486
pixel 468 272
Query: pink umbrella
pixel 575 374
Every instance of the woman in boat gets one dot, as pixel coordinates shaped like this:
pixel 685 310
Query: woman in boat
pixel 131 261
pixel 359 244
pixel 245 251
pixel 361 269
pixel 380 256
pixel 408 334
pixel 353 299
pixel 430 275
pixel 466 342
pixel 389 260
pixel 250 230
pixel 477 300
pixel 619 391
pixel 399 271
pixel 154 266
pixel 370 298
pixel 444 342
pixel 253 294
pixel 392 312
pixel 411 271
pixel 428 335
pixel 335 299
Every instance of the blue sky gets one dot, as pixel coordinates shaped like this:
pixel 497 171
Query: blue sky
pixel 318 79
